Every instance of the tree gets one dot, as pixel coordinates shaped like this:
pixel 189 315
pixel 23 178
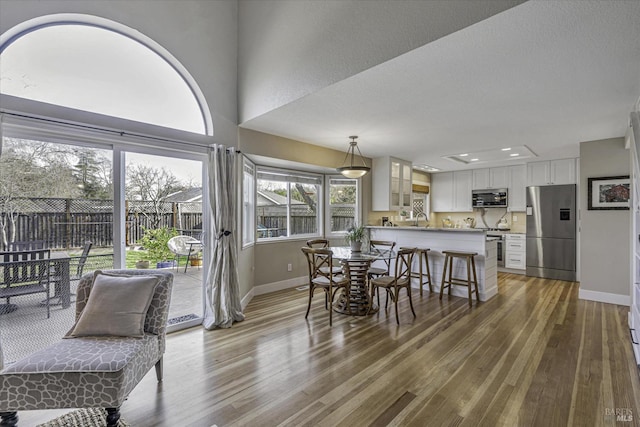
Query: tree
pixel 30 169
pixel 146 183
pixel 93 170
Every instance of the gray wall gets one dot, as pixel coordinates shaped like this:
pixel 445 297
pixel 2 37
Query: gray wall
pixel 201 34
pixel 289 49
pixel 270 259
pixel 604 238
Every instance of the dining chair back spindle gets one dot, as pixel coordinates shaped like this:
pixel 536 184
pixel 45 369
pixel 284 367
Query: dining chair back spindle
pixel 401 279
pixel 319 262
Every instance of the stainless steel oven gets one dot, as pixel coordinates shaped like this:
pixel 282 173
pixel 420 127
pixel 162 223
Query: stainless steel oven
pixel 501 247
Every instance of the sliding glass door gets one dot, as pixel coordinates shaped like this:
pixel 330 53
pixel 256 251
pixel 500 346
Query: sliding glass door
pixel 163 213
pixel 56 203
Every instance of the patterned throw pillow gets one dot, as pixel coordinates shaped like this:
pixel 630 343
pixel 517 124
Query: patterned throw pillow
pixel 117 306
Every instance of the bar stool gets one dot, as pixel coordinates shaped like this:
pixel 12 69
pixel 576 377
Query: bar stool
pixel 469 257
pixel 423 254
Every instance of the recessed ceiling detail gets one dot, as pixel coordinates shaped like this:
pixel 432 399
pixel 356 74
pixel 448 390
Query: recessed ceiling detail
pixel 425 168
pixel 493 155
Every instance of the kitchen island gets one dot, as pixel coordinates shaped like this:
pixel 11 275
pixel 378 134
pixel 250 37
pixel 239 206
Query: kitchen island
pixel 454 239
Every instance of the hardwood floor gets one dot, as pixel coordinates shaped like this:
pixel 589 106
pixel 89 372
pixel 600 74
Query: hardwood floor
pixel 534 355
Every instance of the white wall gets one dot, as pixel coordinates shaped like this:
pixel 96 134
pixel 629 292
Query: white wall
pixel 604 238
pixel 289 49
pixel 201 34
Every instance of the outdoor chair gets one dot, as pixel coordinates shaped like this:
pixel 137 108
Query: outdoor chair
pixel 24 273
pixel 106 353
pixel 28 245
pixel 184 246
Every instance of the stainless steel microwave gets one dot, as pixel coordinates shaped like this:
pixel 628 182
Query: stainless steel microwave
pixel 496 198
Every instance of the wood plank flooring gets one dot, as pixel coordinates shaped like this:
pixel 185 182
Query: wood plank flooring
pixel 534 355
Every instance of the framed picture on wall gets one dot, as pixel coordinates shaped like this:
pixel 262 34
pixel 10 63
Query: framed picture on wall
pixel 611 192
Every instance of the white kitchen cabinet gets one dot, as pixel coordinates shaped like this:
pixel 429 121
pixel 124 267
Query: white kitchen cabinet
pixel 391 180
pixel 517 188
pixel 515 251
pixel 553 172
pixel 462 191
pixel 490 178
pixel 442 192
pixel 499 177
pixel 451 191
pixel 481 179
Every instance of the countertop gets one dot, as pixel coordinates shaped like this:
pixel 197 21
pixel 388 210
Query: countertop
pixel 456 230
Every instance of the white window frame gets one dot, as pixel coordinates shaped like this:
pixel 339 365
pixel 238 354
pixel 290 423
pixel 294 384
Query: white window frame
pixel 249 207
pixel 320 208
pixel 358 211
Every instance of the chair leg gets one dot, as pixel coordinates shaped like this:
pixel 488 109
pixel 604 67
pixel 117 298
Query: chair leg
pixel 426 260
pixel 159 370
pixel 420 264
pixel 113 416
pixel 410 301
pixel 329 296
pixel 444 276
pixel 310 296
pixel 469 281
pixel 475 278
pixel 372 293
pixel 9 419
pixel 450 275
pixel 396 292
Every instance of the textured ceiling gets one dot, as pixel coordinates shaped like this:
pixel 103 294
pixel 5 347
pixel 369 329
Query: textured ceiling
pixel 547 75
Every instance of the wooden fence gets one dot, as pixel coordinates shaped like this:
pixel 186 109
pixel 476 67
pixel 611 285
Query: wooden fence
pixel 68 223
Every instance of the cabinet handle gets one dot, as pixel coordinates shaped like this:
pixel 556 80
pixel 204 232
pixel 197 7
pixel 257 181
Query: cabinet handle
pixel 631 332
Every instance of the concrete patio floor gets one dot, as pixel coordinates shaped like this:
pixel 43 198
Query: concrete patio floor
pixel 27 329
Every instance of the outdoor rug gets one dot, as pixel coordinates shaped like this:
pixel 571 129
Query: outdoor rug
pixel 92 417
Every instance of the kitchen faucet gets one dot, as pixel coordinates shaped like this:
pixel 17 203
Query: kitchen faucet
pixel 418 216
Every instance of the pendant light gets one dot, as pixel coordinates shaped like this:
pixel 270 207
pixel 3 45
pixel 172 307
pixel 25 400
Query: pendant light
pixel 353 170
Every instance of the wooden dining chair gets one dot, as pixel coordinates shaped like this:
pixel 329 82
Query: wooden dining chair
pixel 324 244
pixel 318 243
pixel 319 262
pixel 381 247
pixel 393 284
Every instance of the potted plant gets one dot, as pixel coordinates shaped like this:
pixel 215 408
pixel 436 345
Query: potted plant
pixel 155 242
pixel 142 263
pixel 355 236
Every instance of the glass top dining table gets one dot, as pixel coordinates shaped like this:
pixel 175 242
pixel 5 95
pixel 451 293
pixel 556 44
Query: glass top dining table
pixel 359 301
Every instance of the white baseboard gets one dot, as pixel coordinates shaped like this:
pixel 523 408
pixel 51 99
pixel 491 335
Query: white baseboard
pixel 247 299
pixel 604 297
pixel 278 286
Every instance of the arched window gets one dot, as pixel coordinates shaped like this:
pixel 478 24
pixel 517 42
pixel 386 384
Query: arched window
pixel 96 65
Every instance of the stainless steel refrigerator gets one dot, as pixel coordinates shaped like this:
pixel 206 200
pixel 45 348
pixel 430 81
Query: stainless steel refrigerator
pixel 551 231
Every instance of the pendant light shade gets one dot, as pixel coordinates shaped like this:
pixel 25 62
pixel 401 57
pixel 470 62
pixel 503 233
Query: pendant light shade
pixel 351 167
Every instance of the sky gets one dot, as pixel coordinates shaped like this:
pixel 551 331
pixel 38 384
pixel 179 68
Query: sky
pixel 184 170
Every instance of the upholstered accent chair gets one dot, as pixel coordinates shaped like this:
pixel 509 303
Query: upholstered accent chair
pixel 90 371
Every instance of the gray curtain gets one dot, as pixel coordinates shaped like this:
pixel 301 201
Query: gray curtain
pixel 222 305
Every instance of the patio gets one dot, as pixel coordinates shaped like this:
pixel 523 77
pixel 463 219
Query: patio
pixel 27 329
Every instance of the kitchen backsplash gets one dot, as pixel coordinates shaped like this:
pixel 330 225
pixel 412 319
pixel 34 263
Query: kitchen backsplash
pixel 516 221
